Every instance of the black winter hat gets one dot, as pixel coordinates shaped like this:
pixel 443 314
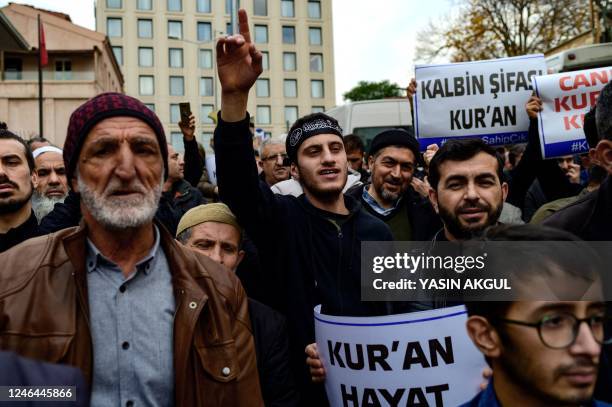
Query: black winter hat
pixel 395 137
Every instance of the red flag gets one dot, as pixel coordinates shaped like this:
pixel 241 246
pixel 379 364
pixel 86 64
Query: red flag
pixel 42 47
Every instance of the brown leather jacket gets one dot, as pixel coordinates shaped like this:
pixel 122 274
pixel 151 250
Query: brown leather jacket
pixel 44 315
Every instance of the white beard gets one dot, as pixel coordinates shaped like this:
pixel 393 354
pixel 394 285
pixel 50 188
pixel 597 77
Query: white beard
pixel 120 213
pixel 42 205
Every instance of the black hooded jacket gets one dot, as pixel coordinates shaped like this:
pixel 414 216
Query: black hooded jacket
pixel 308 256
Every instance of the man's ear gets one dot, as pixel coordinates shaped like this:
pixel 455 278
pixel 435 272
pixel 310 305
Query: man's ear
pixel 370 162
pixel 433 198
pixel 260 164
pixel 34 177
pixel 74 184
pixel 593 157
pixel 240 257
pixel 603 155
pixel 295 172
pixel 504 187
pixel 484 336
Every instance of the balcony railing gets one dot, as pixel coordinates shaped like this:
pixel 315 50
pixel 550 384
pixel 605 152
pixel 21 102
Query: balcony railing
pixel 32 76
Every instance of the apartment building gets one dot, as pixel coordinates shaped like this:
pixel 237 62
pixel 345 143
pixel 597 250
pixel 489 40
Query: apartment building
pixel 81 65
pixel 166 50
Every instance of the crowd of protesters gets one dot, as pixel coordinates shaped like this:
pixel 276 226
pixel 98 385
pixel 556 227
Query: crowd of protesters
pixel 166 281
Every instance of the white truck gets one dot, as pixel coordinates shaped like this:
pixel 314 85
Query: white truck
pixel 584 57
pixel 368 118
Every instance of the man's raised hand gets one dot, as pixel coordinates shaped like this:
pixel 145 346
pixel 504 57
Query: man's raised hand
pixel 238 61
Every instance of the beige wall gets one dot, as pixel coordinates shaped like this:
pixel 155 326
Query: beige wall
pixel 130 42
pixel 93 71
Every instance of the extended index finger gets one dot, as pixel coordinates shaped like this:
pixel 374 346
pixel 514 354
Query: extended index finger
pixel 243 24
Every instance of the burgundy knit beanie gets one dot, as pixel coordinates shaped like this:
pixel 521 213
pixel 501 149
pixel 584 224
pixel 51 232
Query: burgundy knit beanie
pixel 101 107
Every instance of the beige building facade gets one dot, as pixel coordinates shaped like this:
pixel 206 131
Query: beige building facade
pixel 81 65
pixel 166 50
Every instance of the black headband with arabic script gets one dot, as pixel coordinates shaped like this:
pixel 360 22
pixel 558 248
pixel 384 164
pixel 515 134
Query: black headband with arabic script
pixel 306 128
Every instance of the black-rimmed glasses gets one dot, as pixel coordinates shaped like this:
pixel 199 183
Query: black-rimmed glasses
pixel 559 331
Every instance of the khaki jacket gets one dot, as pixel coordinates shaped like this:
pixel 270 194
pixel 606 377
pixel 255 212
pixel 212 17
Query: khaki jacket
pixel 44 315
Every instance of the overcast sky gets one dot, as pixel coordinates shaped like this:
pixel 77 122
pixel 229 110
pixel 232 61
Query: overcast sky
pixel 370 43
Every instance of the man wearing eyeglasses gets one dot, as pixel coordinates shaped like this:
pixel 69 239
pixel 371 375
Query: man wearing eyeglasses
pixel 543 352
pixel 273 156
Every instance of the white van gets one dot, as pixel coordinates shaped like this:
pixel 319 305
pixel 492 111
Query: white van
pixel 368 118
pixel 584 57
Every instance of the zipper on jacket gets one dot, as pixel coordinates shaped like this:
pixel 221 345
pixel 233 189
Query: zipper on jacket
pixel 339 268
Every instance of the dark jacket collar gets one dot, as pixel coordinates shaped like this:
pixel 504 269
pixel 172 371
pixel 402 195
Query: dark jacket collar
pixel 352 204
pixel 25 231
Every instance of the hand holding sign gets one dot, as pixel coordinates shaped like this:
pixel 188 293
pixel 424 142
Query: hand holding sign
pixel 313 360
pixel 533 107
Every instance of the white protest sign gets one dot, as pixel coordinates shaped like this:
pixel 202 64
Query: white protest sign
pixel 483 99
pixel 566 98
pixel 421 358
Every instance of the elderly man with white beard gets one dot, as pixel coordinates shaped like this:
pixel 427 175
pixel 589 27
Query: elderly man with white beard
pixel 147 320
pixel 50 184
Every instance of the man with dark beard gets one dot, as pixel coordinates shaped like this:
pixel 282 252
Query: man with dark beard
pixel 466 188
pixel 390 197
pixel 147 320
pixel 309 246
pixel 17 221
pixel 50 184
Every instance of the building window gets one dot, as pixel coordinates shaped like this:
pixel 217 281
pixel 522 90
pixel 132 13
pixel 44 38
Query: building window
pixel 113 3
pixel 146 85
pixel 314 9
pixel 145 56
pixel 144 5
pixel 203 6
pixel 113 27
pixel 205 59
pixel 118 52
pixel 290 88
pixel 145 28
pixel 289 61
pixel 318 109
pixel 265 60
pixel 206 86
pixel 205 110
pixel 175 57
pixel 288 35
pixel 228 6
pixel 317 89
pixel 175 113
pixel 151 106
pixel 13 68
pixel 261 34
pixel 175 5
pixel 287 8
pixel 175 30
pixel 314 36
pixel 204 32
pixel 263 115
pixel 176 139
pixel 262 88
pixel 177 86
pixel 291 115
pixel 260 7
pixel 316 62
pixel 63 70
